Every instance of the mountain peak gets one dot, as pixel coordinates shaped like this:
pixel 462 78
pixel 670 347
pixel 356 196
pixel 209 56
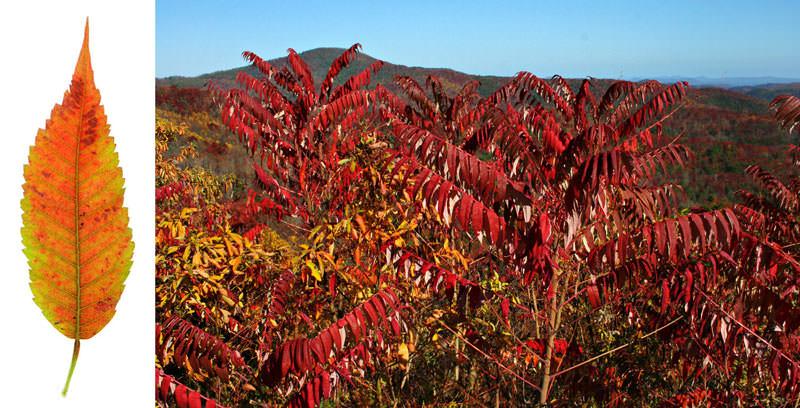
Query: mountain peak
pixel 320 59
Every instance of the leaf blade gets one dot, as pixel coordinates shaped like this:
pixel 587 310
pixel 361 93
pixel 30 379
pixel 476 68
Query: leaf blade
pixel 75 228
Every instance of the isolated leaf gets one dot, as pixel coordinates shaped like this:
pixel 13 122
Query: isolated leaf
pixel 402 352
pixel 505 308
pixel 75 229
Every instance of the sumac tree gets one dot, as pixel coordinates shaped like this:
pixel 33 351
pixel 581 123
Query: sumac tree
pixel 566 206
pixel 516 249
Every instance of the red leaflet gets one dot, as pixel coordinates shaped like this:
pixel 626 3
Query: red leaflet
pixel 477 217
pixel 325 384
pixel 661 237
pixel 164 388
pixel 332 284
pixel 494 227
pixel 371 313
pixel 318 348
pixel 594 295
pixel 286 360
pixel 194 400
pixel 672 235
pixel 379 307
pixel 336 336
pixel 686 236
pixel 350 318
pixel 504 307
pixel 687 288
pixel 181 396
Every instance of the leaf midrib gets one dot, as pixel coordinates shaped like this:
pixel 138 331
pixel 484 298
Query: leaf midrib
pixel 77 212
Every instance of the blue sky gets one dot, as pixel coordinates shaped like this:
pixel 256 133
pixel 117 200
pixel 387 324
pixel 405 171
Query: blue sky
pixel 610 39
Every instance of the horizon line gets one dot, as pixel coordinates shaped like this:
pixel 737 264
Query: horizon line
pixel 780 79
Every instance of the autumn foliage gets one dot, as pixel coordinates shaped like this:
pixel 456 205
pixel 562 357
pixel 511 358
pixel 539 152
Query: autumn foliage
pixel 431 248
pixel 75 227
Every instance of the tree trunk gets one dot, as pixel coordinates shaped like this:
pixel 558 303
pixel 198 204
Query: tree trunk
pixel 552 327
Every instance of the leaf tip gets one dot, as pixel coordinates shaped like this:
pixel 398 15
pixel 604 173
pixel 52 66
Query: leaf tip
pixel 84 59
pixel 86 33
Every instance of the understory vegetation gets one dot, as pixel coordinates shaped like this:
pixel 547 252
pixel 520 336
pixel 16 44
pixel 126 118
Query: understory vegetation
pixel 433 247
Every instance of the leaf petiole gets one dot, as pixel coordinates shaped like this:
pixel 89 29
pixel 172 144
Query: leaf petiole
pixel 75 351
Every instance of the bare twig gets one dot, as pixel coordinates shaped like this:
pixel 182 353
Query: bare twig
pixel 615 349
pixel 499 364
pixel 749 330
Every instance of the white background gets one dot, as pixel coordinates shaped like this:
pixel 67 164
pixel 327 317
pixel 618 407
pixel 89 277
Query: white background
pixel 39 44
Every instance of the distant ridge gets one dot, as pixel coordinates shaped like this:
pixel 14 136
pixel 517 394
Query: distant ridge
pixel 731 82
pixel 770 91
pixel 319 60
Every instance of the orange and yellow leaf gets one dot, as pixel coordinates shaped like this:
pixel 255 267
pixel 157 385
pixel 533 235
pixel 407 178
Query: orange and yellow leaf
pixel 75 228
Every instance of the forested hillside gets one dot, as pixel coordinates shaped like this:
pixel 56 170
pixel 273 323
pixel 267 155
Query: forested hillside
pixel 727 129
